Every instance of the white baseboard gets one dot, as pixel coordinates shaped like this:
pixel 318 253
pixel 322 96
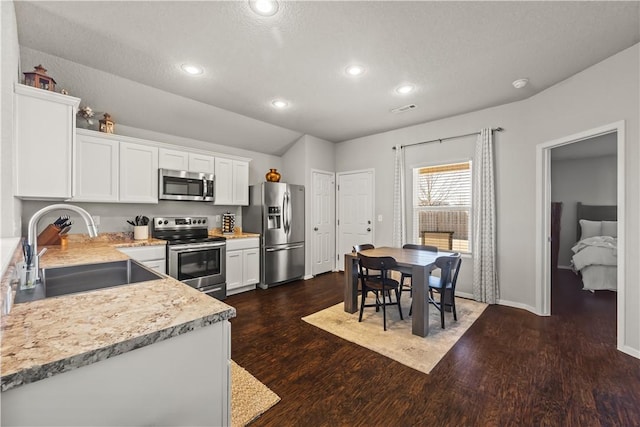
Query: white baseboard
pixel 502 302
pixel 630 351
pixel 307 277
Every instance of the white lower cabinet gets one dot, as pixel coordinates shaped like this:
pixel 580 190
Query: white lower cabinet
pixel 243 264
pixel 154 257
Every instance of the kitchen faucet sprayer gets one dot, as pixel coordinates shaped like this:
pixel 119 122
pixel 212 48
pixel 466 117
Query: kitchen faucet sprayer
pixel 32 237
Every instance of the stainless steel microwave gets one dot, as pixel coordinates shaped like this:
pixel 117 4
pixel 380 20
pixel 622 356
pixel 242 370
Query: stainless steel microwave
pixel 184 185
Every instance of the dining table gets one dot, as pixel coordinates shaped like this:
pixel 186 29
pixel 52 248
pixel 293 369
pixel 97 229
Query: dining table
pixel 420 262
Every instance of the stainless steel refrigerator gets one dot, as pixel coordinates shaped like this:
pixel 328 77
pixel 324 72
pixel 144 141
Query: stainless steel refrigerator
pixel 276 211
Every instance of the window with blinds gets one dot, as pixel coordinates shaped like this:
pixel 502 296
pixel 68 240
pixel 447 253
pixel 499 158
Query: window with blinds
pixel 442 206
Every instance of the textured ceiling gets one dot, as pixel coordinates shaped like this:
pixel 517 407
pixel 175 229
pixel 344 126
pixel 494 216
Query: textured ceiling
pixel 462 56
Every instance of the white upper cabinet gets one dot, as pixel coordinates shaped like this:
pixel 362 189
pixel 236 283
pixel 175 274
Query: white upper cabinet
pixel 173 159
pixel 201 163
pixel 138 173
pixel 241 182
pixel 44 131
pixel 96 169
pixel 185 161
pixel 232 182
pixel 224 182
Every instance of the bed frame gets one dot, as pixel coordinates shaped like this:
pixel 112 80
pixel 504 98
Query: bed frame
pixel 595 213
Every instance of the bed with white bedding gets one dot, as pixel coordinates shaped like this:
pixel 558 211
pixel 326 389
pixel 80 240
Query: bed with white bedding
pixel 596 253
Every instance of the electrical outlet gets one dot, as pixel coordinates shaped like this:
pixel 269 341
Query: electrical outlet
pixel 379 218
pixel 96 219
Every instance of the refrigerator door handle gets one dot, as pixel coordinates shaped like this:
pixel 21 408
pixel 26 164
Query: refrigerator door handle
pixel 286 213
pixel 289 213
pixel 284 249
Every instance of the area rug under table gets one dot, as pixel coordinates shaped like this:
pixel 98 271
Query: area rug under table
pixel 397 342
pixel 249 397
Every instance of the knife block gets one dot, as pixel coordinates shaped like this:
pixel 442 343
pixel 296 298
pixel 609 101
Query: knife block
pixel 49 236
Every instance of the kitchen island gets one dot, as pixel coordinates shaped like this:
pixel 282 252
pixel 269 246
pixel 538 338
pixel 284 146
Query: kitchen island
pixel 150 353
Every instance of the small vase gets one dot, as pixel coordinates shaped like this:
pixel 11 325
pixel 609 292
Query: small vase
pixel 273 176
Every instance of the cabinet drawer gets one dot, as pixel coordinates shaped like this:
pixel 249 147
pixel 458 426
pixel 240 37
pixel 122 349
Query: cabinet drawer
pixel 248 243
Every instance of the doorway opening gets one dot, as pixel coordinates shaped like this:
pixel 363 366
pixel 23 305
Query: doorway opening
pixel 544 267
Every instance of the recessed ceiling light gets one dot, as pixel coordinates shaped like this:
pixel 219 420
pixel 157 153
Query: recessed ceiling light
pixel 280 103
pixel 264 7
pixel 520 83
pixel 404 89
pixel 355 70
pixel 194 70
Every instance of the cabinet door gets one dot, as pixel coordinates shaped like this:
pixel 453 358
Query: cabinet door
pixel 224 181
pixel 96 169
pixel 138 173
pixel 234 269
pixel 173 159
pixel 44 132
pixel 240 182
pixel 201 163
pixel 158 265
pixel 251 264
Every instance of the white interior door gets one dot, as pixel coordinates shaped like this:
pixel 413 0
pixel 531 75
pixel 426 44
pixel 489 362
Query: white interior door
pixel 323 222
pixel 355 211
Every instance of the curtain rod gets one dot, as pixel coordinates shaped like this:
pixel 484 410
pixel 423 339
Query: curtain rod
pixel 498 129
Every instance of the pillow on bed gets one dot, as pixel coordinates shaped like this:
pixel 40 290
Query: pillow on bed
pixel 590 228
pixel 610 228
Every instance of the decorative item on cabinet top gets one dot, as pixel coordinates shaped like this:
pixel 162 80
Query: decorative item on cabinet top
pixel 39 78
pixel 85 113
pixel 106 123
pixel 273 175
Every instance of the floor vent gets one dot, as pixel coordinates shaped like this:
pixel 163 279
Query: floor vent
pixel 404 108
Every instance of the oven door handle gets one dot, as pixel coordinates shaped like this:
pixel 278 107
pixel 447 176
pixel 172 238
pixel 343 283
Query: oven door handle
pixel 195 247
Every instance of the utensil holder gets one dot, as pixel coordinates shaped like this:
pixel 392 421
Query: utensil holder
pixel 140 232
pixel 49 236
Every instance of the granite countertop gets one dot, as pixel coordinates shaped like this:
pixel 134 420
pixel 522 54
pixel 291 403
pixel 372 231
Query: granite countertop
pixel 54 335
pixel 238 234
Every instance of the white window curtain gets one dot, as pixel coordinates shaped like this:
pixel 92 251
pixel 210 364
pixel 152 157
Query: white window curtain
pixel 399 223
pixel 485 277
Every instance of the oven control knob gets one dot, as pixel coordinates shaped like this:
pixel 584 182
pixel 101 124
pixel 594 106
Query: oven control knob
pixel 166 222
pixel 199 221
pixel 159 222
pixel 204 221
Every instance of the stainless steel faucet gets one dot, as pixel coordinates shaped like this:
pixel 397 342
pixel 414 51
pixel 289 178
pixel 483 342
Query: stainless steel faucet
pixel 32 238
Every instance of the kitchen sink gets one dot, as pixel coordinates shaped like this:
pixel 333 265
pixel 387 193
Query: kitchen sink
pixel 59 281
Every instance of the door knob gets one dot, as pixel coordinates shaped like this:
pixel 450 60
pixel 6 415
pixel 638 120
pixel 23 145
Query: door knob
pixel 315 228
pixel 368 229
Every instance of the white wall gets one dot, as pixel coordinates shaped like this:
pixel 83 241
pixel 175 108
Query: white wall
pixel 306 154
pixel 9 74
pixel 602 94
pixel 591 181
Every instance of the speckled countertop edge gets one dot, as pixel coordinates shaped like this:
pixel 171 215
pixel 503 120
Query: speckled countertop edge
pixel 40 372
pixel 37 371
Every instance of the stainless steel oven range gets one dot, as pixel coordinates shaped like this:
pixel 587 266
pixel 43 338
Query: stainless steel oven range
pixel 192 256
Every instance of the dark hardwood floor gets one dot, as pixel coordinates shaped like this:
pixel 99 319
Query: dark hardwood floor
pixel 511 368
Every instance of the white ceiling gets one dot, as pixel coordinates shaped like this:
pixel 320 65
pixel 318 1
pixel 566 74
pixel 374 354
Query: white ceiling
pixel 462 56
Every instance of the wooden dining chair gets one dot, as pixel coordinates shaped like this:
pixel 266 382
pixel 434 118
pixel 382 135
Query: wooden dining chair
pixel 405 272
pixel 363 247
pixel 445 285
pixel 380 285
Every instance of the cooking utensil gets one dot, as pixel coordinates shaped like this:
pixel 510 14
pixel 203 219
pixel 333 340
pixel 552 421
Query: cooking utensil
pixel 131 222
